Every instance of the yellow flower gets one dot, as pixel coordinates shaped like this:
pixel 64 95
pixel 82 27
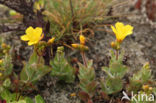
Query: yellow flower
pixel 82 39
pixel 50 41
pixel 33 36
pixel 121 31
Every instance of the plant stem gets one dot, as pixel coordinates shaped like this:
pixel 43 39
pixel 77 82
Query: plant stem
pixel 117 54
pixel 84 58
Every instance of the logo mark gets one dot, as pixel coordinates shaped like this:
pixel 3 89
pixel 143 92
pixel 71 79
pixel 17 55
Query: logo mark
pixel 125 96
pixel 140 96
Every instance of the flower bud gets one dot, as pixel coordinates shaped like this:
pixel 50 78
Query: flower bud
pixel 146 65
pixel 60 49
pixel 82 39
pixel 75 46
pixel 80 47
pixel 3 45
pixel 51 41
pixel 145 87
pixel 113 44
pixel 83 47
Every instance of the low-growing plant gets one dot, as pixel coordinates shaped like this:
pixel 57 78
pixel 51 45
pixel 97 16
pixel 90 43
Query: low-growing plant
pixel 34 69
pixel 142 77
pixel 61 68
pixel 86 73
pixel 113 82
pixel 9 97
pixel 140 83
pixel 87 81
pixel 31 72
pixel 18 86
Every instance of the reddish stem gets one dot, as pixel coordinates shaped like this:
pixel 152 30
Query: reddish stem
pixel 84 58
pixel 117 54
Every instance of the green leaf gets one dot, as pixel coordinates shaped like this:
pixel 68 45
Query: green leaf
pixel 111 85
pixel 117 69
pixel 143 76
pixel 21 101
pixel 7 83
pixel 6 95
pixel 113 57
pixel 34 70
pixel 87 78
pixel 61 68
pixel 28 100
pixel 39 99
pixel 7 65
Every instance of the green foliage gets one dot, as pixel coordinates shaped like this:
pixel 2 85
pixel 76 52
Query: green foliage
pixel 115 72
pixel 111 85
pixel 140 78
pixel 61 68
pixel 39 99
pixel 66 16
pixel 113 57
pixel 7 83
pixel 87 78
pixel 6 95
pixel 34 69
pixel 16 98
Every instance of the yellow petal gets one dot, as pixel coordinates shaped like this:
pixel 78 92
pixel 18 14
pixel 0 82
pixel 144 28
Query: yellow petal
pixel 29 30
pixel 32 42
pixel 119 26
pixel 119 29
pixel 114 30
pixel 38 31
pixel 25 38
pixel 128 30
